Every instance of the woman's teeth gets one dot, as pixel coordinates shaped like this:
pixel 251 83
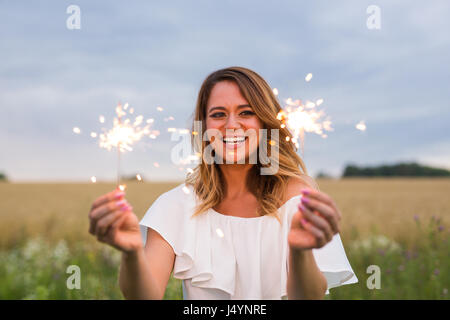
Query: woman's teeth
pixel 234 140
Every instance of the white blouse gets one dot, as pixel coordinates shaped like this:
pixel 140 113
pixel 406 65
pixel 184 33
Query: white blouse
pixel 227 257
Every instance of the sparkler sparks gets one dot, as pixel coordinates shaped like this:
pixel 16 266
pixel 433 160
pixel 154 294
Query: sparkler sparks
pixel 361 126
pixel 186 190
pixel 220 232
pixel 300 118
pixel 308 77
pixel 124 133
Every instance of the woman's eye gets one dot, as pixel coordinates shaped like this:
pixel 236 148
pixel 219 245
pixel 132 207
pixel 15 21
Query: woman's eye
pixel 222 114
pixel 217 115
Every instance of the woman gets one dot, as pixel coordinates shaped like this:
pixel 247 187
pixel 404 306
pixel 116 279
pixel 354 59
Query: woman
pixel 231 231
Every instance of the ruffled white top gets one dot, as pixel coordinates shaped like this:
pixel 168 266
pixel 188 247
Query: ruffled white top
pixel 227 257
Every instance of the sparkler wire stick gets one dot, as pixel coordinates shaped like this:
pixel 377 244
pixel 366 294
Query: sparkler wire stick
pixel 119 116
pixel 118 164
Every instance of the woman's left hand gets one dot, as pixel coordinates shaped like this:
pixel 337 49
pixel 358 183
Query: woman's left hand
pixel 316 221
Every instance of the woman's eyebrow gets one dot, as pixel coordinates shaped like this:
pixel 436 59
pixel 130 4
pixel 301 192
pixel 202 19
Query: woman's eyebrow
pixel 223 108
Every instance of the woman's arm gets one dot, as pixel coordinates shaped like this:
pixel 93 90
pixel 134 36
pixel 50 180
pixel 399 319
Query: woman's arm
pixel 305 280
pixel 312 226
pixel 144 273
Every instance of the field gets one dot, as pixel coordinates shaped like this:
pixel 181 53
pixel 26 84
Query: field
pixel 401 225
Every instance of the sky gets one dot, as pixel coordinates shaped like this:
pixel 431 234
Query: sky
pixel 150 54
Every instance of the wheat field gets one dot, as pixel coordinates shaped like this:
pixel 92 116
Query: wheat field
pixel 399 224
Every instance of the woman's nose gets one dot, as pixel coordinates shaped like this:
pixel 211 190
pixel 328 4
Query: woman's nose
pixel 232 123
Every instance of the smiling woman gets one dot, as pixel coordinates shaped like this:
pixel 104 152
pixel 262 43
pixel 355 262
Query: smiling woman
pixel 231 231
pixel 237 102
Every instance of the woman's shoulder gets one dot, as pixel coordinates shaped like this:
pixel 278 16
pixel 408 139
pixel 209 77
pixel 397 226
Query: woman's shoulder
pixel 177 195
pixel 173 206
pixel 296 184
pixel 293 194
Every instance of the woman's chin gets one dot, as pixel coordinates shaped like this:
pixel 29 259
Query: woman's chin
pixel 234 157
pixel 238 155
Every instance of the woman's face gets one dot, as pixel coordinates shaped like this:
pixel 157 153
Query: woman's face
pixel 236 134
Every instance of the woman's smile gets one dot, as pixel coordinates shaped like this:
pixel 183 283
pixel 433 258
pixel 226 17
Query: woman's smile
pixel 234 142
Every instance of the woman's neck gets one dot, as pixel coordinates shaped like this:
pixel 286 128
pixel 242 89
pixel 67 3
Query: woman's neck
pixel 235 177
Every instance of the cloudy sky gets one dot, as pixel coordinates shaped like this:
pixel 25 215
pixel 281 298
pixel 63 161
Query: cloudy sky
pixel 157 53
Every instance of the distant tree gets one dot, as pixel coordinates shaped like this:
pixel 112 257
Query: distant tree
pixel 396 170
pixel 3 177
pixel 323 175
pixel 131 177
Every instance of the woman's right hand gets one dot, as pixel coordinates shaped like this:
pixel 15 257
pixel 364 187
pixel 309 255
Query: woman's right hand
pixel 113 222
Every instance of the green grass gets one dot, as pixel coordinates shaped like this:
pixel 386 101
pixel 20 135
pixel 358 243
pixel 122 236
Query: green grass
pixel 416 271
pixel 36 269
pixel 401 225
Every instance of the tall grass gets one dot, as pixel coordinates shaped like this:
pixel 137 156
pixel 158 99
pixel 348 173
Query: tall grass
pixel 418 270
pixel 399 225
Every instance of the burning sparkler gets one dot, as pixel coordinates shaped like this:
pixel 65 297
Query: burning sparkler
pixel 122 135
pixel 300 118
pixel 125 133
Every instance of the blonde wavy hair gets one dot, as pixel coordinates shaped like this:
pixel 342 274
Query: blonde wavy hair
pixel 207 179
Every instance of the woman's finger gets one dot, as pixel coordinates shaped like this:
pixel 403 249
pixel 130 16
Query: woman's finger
pixel 318 234
pixel 324 210
pixel 103 210
pixel 322 197
pixel 111 196
pixel 119 221
pixel 103 224
pixel 318 222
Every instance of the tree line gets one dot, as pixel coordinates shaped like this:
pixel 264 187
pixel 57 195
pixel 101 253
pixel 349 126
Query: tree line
pixel 3 177
pixel 396 170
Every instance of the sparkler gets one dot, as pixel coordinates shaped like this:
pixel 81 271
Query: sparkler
pixel 125 133
pixel 122 135
pixel 300 118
